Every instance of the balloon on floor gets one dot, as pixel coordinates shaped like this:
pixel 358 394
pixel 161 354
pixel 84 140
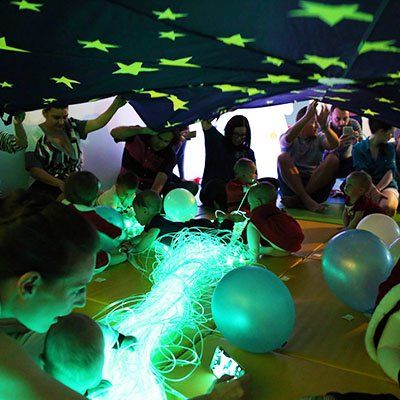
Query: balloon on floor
pixel 253 309
pixel 354 264
pixel 180 205
pixel 381 225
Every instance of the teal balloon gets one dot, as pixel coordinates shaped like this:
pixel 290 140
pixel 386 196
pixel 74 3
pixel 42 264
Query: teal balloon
pixel 180 205
pixel 253 309
pixel 110 215
pixel 354 264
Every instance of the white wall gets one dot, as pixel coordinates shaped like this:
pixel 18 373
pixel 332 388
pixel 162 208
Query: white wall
pixel 102 155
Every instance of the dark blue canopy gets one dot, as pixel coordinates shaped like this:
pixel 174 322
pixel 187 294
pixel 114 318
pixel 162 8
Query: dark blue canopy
pixel 178 61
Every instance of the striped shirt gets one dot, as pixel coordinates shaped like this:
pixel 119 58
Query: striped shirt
pixel 44 153
pixel 9 143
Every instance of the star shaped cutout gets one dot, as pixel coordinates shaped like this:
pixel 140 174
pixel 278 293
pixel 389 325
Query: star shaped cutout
pixel 172 35
pixel 169 14
pixel 97 44
pixel 278 79
pixel 66 81
pixel 169 125
pixel 395 109
pixel 394 75
pixel 368 111
pixel 253 91
pixel 48 100
pixel 322 62
pixel 180 62
pixel 335 98
pixel 133 69
pixel 5 84
pixel 331 14
pixel 5 46
pixel 178 104
pixel 229 88
pixel 25 5
pixel 384 100
pixel 380 45
pixel 273 60
pixel 235 40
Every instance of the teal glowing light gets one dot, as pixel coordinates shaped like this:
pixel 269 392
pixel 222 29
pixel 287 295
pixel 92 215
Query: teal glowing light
pixel 172 316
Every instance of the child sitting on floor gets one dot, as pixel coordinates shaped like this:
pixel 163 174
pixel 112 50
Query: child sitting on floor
pixel 245 176
pixel 270 231
pixel 73 352
pixel 357 204
pixel 120 196
pixel 81 190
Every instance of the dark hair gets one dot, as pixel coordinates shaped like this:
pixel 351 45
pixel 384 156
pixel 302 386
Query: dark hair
pixel 55 105
pixel 150 199
pixel 128 179
pixel 81 188
pixel 376 124
pixel 42 235
pixel 235 122
pixel 301 113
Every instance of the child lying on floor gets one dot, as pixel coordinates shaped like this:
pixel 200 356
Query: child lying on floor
pixel 270 231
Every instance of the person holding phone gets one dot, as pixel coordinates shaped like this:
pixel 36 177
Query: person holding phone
pixel 54 150
pixel 349 133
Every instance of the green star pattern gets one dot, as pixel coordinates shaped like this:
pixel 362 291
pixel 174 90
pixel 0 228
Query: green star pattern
pixel 66 81
pixel 323 62
pixel 235 40
pixel 26 5
pixel 172 35
pixel 133 69
pixel 331 14
pixel 97 44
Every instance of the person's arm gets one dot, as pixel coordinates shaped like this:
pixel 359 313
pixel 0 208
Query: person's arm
pixel 124 132
pixel 20 134
pixel 253 240
pixel 41 175
pixel 206 125
pixel 104 118
pixel 159 182
pixel 358 216
pixel 21 378
pixel 273 252
pixel 331 137
pixel 295 130
pixel 385 181
pixel 145 240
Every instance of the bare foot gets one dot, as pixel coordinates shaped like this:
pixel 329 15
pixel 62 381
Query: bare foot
pixel 312 205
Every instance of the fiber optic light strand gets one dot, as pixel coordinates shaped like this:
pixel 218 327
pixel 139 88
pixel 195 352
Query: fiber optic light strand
pixel 173 316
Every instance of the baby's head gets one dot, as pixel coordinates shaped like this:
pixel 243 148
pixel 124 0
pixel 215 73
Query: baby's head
pixel 127 184
pixel 147 205
pixel 82 188
pixel 262 193
pixel 245 170
pixel 358 183
pixel 74 352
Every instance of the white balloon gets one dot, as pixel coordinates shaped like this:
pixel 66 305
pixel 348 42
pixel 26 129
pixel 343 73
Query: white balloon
pixel 382 226
pixel 394 249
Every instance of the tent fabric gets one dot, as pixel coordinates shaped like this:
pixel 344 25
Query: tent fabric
pixel 178 61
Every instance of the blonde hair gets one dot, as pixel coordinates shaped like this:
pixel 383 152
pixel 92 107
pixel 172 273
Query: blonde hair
pixel 73 346
pixel 242 165
pixel 363 179
pixel 265 192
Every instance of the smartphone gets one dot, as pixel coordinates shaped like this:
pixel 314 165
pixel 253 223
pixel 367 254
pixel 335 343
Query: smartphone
pixel 347 131
pixel 223 364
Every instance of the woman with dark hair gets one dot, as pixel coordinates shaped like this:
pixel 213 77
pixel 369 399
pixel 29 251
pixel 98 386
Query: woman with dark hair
pixel 151 156
pixel 47 256
pixel 377 157
pixel 222 152
pixel 54 149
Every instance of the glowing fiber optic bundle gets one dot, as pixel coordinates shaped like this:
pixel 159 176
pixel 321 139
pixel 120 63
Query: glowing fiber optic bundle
pixel 173 316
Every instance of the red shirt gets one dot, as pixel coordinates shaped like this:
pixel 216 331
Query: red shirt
pixel 277 227
pixel 234 195
pixel 364 204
